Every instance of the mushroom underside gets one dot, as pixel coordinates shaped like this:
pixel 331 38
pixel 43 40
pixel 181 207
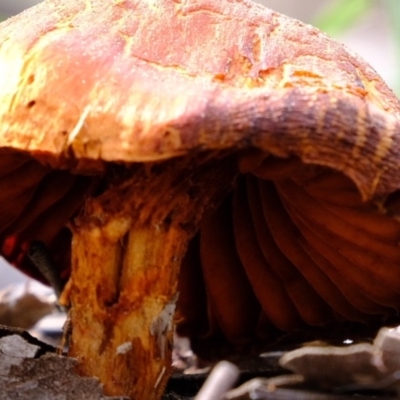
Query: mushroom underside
pixel 292 246
pixel 267 244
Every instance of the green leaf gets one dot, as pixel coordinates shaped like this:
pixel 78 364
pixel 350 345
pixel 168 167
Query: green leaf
pixel 340 15
pixel 393 10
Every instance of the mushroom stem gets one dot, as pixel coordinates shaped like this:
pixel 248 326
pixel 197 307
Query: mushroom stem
pixel 122 318
pixel 126 252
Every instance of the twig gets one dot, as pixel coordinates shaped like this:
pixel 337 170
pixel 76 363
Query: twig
pixel 222 378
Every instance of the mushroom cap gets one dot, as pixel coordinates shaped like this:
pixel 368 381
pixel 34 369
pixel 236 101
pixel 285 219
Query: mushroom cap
pixel 87 83
pixel 137 81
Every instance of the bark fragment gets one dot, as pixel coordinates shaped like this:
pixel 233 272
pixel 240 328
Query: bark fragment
pixel 28 370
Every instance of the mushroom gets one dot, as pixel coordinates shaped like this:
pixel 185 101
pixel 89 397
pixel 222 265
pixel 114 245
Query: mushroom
pixel 247 148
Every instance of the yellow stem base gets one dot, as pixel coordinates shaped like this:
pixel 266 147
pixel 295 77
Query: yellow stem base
pixel 126 253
